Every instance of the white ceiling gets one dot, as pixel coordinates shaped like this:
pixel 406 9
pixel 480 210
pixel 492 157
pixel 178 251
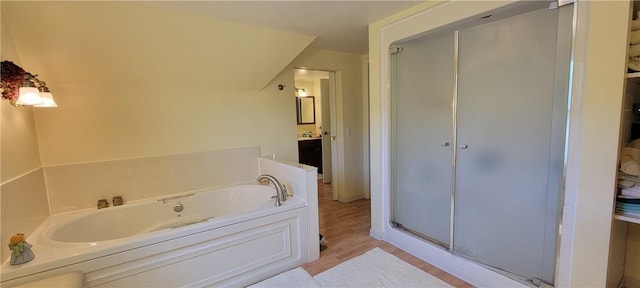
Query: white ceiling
pixel 338 25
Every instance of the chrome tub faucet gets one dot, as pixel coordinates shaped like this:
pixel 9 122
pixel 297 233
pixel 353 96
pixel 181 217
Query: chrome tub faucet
pixel 281 191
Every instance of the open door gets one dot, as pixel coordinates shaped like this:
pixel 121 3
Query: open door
pixel 323 85
pixel 336 168
pixel 326 131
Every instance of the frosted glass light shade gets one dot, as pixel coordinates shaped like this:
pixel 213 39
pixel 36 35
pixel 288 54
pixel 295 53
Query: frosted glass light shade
pixel 47 100
pixel 300 92
pixel 29 96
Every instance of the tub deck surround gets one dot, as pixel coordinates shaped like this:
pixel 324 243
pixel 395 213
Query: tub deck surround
pixel 124 246
pixel 158 214
pixel 302 180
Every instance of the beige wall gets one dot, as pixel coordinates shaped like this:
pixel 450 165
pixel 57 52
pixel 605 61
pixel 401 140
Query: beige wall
pixel 349 108
pixel 135 81
pixel 101 128
pixel 19 141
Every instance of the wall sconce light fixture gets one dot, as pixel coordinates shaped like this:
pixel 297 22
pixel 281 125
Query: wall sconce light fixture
pixel 23 88
pixel 300 92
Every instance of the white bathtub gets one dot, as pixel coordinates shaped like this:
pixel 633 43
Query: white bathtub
pixel 224 236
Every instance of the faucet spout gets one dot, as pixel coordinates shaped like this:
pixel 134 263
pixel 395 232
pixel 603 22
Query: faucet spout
pixel 281 194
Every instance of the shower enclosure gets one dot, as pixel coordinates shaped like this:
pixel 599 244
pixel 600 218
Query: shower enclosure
pixel 478 125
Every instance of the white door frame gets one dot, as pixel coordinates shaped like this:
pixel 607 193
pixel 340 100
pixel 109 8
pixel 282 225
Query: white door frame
pixel 327 170
pixel 335 131
pixel 365 120
pixel 336 139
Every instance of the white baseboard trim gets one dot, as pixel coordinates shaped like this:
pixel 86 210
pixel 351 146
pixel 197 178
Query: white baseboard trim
pixel 464 269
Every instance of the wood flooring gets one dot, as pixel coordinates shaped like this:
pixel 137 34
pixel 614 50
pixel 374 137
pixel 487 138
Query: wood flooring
pixel 346 226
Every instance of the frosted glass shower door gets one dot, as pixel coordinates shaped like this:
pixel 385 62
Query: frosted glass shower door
pixel 509 134
pixel 421 136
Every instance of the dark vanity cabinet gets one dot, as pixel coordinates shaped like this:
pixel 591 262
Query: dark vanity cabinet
pixel 310 152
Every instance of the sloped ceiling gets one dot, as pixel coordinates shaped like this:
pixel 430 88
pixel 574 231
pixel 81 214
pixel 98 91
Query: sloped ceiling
pixel 339 25
pixel 129 44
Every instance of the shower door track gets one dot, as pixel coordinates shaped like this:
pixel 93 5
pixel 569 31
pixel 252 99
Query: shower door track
pixel 399 226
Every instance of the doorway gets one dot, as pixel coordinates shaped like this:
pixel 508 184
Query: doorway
pixel 316 123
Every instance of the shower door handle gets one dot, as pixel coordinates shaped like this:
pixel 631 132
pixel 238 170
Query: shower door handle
pixel 445 144
pixel 464 146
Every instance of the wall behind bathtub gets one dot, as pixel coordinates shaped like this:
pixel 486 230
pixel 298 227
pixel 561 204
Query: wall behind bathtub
pixel 135 80
pixel 79 186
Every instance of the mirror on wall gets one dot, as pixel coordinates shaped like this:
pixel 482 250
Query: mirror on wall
pixel 306 110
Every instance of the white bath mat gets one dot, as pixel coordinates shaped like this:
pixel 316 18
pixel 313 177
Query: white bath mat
pixel 293 278
pixel 375 268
